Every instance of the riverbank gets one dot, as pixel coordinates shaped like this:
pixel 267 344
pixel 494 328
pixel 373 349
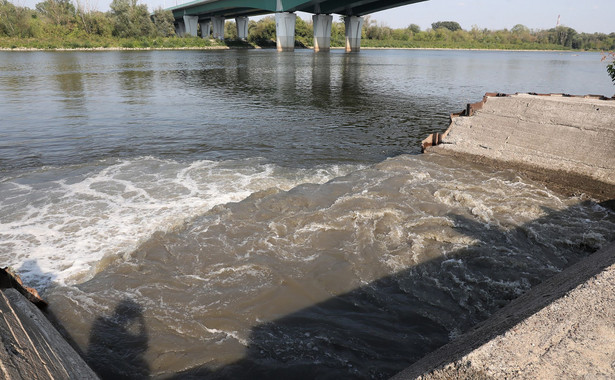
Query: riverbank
pixel 197 43
pixel 224 47
pixel 122 48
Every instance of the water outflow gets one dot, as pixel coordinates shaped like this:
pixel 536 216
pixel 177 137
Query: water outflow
pixel 63 224
pixel 356 277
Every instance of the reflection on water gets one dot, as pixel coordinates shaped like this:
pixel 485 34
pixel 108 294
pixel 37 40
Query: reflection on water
pixel 70 83
pixel 236 101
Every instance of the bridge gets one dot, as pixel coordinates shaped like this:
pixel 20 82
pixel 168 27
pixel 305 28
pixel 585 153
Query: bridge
pixel 211 14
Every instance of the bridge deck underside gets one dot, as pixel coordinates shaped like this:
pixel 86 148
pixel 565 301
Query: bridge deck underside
pixel 234 8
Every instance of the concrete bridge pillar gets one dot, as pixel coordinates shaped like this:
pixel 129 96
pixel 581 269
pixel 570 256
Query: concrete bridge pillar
pixel 180 28
pixel 285 30
pixel 353 33
pixel 322 32
pixel 242 27
pixel 190 23
pixel 205 29
pixel 218 23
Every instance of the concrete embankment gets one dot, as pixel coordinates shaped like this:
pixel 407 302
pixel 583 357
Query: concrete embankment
pixel 563 140
pixel 563 328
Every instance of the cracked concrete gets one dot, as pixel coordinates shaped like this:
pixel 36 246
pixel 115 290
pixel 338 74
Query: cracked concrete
pixel 566 140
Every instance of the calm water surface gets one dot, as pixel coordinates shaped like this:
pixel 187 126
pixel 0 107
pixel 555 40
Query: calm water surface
pixel 246 214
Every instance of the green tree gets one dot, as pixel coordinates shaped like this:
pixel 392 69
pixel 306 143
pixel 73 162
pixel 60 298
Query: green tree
pixel 304 32
pixel 414 28
pixel 131 19
pixel 15 21
pixel 520 29
pixel 377 32
pixel 58 12
pixel 562 35
pixel 230 30
pixel 164 22
pixel 450 25
pixel 262 32
pixel 338 34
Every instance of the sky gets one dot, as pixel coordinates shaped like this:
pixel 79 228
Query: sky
pixel 583 15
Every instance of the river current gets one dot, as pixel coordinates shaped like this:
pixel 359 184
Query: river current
pixel 251 214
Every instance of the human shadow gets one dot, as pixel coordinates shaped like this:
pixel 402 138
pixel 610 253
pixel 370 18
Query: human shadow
pixel 383 327
pixel 118 343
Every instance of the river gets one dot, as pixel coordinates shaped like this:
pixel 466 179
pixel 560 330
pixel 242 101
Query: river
pixel 251 214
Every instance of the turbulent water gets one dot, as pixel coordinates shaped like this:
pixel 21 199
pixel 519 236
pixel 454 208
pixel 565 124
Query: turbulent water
pixel 249 214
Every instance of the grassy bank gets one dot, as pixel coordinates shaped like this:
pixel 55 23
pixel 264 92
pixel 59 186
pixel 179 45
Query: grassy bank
pixel 470 45
pixel 98 42
pixel 93 42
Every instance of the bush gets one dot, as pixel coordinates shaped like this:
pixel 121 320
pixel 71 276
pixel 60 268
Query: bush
pixel 610 67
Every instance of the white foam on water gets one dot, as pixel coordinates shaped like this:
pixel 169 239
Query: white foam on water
pixel 58 223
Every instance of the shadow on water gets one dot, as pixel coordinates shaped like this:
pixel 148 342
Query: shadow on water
pixel 118 342
pixel 381 328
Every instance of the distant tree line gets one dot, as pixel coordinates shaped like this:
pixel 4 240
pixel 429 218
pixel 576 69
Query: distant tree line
pixel 451 34
pixel 56 18
pixel 68 20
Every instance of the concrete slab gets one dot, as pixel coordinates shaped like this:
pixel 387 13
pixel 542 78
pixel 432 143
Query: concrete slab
pixel 562 139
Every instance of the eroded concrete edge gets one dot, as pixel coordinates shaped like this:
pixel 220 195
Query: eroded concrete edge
pixel 435 139
pixel 562 181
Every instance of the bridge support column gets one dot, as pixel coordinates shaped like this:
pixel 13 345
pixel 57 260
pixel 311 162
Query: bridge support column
pixel 180 28
pixel 205 29
pixel 242 27
pixel 353 33
pixel 190 23
pixel 322 32
pixel 218 27
pixel 285 31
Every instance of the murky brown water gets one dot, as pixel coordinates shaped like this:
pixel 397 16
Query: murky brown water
pixel 356 277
